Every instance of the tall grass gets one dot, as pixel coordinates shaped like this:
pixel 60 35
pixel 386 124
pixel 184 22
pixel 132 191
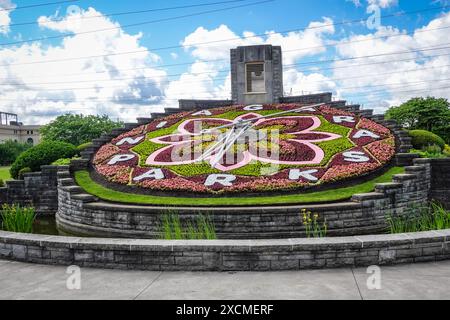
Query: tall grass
pixel 17 219
pixel 200 228
pixel 420 218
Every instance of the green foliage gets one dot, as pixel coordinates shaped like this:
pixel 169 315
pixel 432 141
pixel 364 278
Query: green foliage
pixel 2 183
pixel 10 150
pixel 17 219
pixel 446 150
pixel 422 139
pixel 23 171
pixel 4 173
pixel 429 114
pixel 84 180
pixel 84 146
pixel 42 154
pixel 420 218
pixel 78 129
pixel 63 162
pixel 314 228
pixel 430 152
pixel 201 228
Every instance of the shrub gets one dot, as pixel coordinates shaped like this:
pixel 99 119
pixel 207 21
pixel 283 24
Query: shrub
pixel 23 171
pixel 2 183
pixel 43 154
pixel 423 138
pixel 63 162
pixel 84 146
pixel 446 150
pixel 17 219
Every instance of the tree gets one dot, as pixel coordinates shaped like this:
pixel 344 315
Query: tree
pixel 429 114
pixel 78 129
pixel 10 150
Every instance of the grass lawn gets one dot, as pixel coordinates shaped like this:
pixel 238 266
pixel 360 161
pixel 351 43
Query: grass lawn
pixel 83 179
pixel 4 173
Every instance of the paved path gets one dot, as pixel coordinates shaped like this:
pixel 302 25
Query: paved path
pixel 420 281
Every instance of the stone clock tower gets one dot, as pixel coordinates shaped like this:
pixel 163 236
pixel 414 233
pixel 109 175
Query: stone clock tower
pixel 256 74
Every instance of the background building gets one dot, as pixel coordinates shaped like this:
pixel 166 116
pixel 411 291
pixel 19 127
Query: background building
pixel 12 129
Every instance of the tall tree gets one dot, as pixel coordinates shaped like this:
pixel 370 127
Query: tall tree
pixel 78 129
pixel 429 113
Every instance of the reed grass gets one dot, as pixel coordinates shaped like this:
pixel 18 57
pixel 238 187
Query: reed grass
pixel 420 218
pixel 18 219
pixel 200 228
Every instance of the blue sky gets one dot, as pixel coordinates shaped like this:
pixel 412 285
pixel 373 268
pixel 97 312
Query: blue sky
pixel 116 86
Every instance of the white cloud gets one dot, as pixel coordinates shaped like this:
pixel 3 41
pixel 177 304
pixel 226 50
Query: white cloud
pixel 5 19
pixel 418 74
pixel 380 3
pixel 383 3
pixel 44 90
pixel 199 81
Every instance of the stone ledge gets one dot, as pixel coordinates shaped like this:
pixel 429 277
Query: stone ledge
pixel 224 255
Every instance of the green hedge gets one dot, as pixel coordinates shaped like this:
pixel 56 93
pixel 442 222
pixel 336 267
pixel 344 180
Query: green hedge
pixel 423 138
pixel 42 154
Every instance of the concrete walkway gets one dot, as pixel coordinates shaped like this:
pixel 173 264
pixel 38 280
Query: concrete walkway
pixel 420 281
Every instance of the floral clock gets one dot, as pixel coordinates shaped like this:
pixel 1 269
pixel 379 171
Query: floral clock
pixel 252 148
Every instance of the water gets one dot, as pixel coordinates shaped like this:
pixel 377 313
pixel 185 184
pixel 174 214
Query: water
pixel 46 226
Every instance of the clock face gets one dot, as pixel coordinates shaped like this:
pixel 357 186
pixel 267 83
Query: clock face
pixel 246 148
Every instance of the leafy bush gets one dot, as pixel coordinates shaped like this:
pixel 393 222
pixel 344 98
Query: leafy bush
pixel 10 150
pixel 17 219
pixel 2 183
pixel 446 150
pixel 423 138
pixel 84 146
pixel 23 171
pixel 43 154
pixel 64 161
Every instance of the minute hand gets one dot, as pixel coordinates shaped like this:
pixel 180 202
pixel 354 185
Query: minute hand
pixel 263 117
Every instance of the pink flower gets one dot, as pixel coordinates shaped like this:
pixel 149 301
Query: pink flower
pixel 374 127
pixel 298 131
pixel 382 150
pixel 339 172
pixel 105 152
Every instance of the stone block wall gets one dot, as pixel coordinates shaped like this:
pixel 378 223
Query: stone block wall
pixel 227 255
pixel 83 214
pixel 38 189
pixel 440 181
pixel 308 99
pixel 202 104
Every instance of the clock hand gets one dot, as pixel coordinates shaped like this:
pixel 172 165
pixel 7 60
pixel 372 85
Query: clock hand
pixel 212 148
pixel 240 122
pixel 228 144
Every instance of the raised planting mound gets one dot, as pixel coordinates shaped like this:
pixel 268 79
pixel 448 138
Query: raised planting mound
pixel 239 149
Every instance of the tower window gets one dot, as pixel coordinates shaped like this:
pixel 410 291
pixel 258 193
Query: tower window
pixel 255 78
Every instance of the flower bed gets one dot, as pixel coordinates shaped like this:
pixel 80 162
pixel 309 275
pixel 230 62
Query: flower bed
pixel 239 149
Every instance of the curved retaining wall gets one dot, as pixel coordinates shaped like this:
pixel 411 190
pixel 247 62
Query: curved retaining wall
pixel 227 255
pixel 82 214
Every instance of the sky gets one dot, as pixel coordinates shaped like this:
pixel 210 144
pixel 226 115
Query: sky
pixel 128 59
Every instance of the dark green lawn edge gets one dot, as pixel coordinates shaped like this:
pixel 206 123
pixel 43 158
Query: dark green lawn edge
pixel 84 181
